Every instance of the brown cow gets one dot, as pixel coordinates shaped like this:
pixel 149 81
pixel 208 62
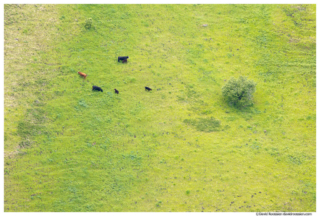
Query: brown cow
pixel 82 74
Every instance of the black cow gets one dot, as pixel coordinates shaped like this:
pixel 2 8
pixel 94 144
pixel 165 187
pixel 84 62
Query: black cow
pixel 96 88
pixel 116 91
pixel 122 58
pixel 148 89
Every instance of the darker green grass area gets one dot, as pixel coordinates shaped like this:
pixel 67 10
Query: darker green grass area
pixel 181 146
pixel 206 125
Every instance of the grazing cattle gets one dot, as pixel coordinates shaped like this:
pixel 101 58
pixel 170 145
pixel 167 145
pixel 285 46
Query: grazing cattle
pixel 82 74
pixel 96 88
pixel 122 58
pixel 116 91
pixel 148 89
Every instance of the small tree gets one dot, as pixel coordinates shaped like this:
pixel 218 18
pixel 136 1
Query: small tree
pixel 239 91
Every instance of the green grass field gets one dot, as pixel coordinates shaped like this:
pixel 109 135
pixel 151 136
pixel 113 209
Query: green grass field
pixel 69 149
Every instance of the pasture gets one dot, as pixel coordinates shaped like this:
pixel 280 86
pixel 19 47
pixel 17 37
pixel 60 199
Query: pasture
pixel 180 147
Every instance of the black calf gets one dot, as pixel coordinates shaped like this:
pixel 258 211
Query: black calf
pixel 96 88
pixel 148 89
pixel 116 91
pixel 122 58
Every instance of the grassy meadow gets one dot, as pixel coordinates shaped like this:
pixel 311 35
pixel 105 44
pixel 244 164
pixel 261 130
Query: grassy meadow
pixel 69 149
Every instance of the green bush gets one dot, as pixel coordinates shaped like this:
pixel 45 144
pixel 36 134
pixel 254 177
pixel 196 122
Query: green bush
pixel 239 92
pixel 88 23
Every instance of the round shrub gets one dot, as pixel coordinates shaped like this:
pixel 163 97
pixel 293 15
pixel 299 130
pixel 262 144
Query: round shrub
pixel 88 23
pixel 239 92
